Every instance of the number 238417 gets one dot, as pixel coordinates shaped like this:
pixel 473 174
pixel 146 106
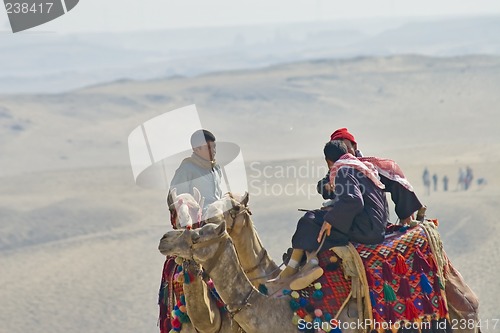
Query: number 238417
pixel 25 8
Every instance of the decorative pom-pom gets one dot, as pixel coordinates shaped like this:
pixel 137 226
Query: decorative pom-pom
pixel 427 305
pixel 369 276
pixel 318 294
pixel 419 263
pixel 302 301
pixel 287 291
pixel 318 312
pixel 389 294
pixel 295 294
pixel 437 286
pixel 334 259
pixel 294 305
pixel 308 318
pixel 387 272
pixel 389 313
pixel 432 262
pixel 187 280
pixel 404 288
pixel 184 318
pixel 309 308
pixel 317 285
pixel 179 269
pixel 182 308
pixel 328 316
pixel 176 323
pixel 425 284
pixel 295 319
pixel 179 260
pixel 401 267
pixel 301 313
pixel 317 321
pixel 183 300
pixel 411 312
pixel 373 298
pixel 263 289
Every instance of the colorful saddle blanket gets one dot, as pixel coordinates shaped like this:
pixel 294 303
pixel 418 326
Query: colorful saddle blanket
pixel 404 286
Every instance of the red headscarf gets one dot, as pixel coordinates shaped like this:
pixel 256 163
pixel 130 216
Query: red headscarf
pixel 342 133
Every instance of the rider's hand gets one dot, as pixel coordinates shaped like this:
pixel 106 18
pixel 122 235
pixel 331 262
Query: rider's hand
pixel 325 228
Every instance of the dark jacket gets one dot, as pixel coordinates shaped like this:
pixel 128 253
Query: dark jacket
pixel 361 209
pixel 405 201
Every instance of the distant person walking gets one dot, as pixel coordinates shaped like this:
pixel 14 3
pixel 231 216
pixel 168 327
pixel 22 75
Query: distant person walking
pixel 426 178
pixel 468 177
pixel 461 179
pixel 445 183
pixel 435 182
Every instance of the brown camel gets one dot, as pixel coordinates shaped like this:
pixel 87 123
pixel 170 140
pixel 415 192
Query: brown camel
pixel 253 257
pixel 213 249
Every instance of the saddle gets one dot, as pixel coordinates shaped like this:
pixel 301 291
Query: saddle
pixel 396 284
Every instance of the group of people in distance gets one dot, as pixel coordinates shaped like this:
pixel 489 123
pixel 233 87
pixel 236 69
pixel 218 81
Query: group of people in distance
pixel 356 211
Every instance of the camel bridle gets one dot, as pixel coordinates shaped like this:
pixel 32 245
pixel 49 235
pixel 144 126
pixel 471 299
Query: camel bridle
pixel 222 240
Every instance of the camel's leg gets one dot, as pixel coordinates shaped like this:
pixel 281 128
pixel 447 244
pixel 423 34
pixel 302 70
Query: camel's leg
pixel 201 308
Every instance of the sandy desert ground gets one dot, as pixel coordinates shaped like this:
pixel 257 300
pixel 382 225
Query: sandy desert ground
pixel 78 239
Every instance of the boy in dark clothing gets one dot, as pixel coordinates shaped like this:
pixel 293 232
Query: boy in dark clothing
pixel 359 214
pixel 402 194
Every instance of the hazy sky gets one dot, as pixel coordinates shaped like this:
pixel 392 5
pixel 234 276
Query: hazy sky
pixel 127 15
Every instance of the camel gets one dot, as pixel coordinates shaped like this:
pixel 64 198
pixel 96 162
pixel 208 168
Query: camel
pixel 201 308
pixel 212 248
pixel 253 257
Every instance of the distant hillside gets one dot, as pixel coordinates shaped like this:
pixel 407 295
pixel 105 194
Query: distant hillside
pixel 55 63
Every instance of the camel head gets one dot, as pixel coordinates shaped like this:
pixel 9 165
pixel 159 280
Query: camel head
pixel 188 207
pixel 198 244
pixel 233 209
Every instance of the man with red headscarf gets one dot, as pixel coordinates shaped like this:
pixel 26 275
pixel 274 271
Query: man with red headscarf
pixel 460 297
pixel 391 176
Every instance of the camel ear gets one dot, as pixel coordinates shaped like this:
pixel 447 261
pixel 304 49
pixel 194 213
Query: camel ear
pixel 197 195
pixel 221 228
pixel 245 198
pixel 171 196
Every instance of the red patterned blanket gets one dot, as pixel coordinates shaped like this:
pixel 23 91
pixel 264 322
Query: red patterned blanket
pixel 404 286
